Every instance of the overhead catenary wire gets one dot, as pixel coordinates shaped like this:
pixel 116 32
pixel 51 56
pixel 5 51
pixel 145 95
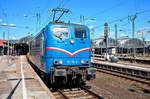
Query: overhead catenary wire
pixel 108 9
pixel 44 23
pixel 104 11
pixel 63 3
pixel 126 17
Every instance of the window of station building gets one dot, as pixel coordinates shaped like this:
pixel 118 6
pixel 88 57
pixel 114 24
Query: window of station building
pixel 61 32
pixel 80 33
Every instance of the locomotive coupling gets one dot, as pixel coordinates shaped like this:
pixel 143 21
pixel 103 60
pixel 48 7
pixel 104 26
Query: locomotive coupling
pixel 60 72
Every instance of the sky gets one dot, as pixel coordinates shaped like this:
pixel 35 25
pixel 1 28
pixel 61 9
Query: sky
pixel 30 16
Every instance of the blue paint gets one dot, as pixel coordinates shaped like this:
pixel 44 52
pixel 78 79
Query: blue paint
pixel 51 40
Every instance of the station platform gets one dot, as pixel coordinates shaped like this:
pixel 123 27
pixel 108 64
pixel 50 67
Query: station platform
pixel 19 81
pixel 124 65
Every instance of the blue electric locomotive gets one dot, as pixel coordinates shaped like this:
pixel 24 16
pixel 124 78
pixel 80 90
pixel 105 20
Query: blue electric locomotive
pixel 62 52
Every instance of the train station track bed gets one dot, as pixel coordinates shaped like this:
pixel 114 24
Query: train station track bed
pixel 113 87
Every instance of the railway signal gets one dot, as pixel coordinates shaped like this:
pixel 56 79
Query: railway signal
pixel 105 32
pixel 106 38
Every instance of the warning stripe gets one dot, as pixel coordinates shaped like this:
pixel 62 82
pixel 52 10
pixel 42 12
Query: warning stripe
pixel 67 52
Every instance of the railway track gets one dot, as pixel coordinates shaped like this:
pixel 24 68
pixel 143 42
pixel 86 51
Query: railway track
pixel 76 93
pixel 129 59
pixel 135 74
pixel 133 78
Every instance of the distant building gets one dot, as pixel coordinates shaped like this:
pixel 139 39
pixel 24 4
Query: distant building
pixel 2 46
pixel 99 43
pixel 26 39
pixel 122 42
pixel 147 43
pixel 121 45
pixel 130 43
pixel 2 42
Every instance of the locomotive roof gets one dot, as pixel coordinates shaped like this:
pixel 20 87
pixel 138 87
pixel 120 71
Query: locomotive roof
pixel 66 23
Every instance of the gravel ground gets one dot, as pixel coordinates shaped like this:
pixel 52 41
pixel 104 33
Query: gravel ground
pixel 111 87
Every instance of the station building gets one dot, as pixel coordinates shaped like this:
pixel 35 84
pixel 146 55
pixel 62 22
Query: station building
pixel 2 46
pixel 147 43
pixel 123 45
pixel 16 47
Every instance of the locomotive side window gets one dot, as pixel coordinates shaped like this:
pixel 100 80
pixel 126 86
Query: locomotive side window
pixel 61 33
pixel 80 33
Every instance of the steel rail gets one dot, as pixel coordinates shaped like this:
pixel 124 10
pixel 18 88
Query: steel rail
pixel 82 88
pixel 62 94
pixel 91 92
pixel 124 75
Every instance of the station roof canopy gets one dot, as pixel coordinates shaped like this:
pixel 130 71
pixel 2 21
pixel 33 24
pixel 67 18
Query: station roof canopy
pixel 122 42
pixel 26 39
pixel 2 42
pixel 130 43
pixel 99 43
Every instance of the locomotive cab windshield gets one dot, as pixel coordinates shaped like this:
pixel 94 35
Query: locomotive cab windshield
pixel 80 33
pixel 61 32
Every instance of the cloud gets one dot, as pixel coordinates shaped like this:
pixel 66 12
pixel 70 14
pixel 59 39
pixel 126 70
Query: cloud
pixel 91 27
pixel 102 34
pixel 145 28
pixel 13 38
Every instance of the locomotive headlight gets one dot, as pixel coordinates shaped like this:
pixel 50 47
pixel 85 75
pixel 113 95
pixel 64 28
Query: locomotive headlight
pixel 55 62
pixel 87 62
pixel 82 61
pixel 72 41
pixel 60 62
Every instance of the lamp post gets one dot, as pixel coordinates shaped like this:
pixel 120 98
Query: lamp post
pixel 116 36
pixel 3 44
pixel 92 40
pixel 8 44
